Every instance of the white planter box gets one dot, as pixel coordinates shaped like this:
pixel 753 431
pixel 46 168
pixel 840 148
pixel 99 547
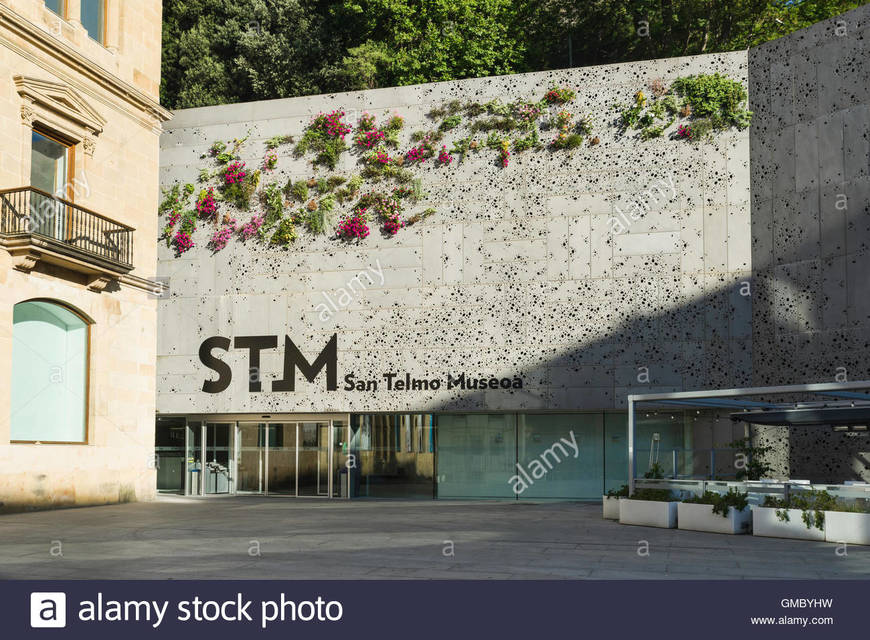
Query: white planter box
pixel 842 526
pixel 611 507
pixel 648 513
pixel 700 517
pixel 765 523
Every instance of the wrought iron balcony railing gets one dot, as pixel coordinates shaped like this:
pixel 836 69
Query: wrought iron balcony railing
pixel 64 226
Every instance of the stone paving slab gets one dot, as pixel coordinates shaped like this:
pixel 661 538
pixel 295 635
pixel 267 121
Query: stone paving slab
pixel 212 539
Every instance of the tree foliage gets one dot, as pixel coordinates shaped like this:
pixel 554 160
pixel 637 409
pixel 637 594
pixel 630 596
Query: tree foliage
pixel 219 51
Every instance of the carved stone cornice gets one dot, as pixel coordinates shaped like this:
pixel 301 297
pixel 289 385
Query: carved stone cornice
pixel 148 108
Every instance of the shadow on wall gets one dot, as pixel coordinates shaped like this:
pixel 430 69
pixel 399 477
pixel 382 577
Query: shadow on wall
pixel 807 316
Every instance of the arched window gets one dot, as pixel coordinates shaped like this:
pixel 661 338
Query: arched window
pixel 49 373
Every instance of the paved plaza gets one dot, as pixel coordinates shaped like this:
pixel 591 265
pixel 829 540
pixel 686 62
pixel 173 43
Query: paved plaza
pixel 219 538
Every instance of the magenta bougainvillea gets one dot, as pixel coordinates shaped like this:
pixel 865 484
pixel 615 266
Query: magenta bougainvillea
pixel 206 206
pixel 222 236
pixel 235 172
pixel 354 226
pixel 270 161
pixel 250 228
pixel 182 241
pixel 367 134
pixel 331 124
pixel 444 158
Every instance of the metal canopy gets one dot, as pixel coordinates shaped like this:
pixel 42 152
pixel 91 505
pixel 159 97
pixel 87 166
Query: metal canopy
pixel 730 399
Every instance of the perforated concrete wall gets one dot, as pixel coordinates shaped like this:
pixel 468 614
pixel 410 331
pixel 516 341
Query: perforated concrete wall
pixel 810 152
pixel 516 275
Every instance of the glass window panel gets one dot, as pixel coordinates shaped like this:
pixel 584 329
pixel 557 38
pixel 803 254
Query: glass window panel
pixel 94 18
pixel 477 455
pixel 48 164
pixel 658 434
pixel 169 454
pixel 560 456
pixel 388 464
pixel 615 450
pixel 49 373
pixel 57 6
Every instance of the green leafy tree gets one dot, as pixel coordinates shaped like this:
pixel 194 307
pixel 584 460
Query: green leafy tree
pixel 409 41
pixel 219 51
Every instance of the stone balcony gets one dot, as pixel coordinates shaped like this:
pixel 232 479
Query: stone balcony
pixel 36 226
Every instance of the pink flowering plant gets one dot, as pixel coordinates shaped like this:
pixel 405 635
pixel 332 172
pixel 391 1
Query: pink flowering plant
pixel 444 158
pixel 251 228
pixel 222 236
pixel 270 162
pixel 354 226
pixel 325 138
pixel 182 241
pixel 419 154
pixel 386 208
pixel 180 221
pixel 526 113
pixel 235 172
pixel 684 132
pixel 206 206
pixel 367 133
pixel 559 95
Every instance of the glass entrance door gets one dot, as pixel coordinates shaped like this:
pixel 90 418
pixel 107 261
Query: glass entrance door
pixel 250 458
pixel 290 458
pixel 217 457
pixel 282 458
pixel 314 458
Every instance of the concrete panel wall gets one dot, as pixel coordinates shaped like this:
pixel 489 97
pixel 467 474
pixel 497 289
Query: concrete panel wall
pixel 810 155
pixel 517 274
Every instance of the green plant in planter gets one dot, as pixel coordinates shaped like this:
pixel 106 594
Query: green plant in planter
pixel 722 502
pixel 653 495
pixel 335 181
pixel 217 147
pixel 629 116
pixel 499 123
pixel 559 95
pixel 461 147
pixel 474 109
pixel 567 141
pixel 812 504
pixel 621 492
pixel 752 465
pixel 646 120
pixel 655 472
pixel 648 133
pixel 496 108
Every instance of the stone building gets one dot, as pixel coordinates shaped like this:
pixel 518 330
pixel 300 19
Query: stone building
pixel 80 122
